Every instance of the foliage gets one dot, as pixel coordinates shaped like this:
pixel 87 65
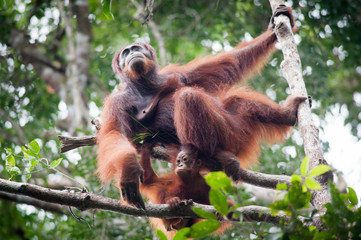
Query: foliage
pixel 29 109
pixel 30 161
pixel 41 224
pixel 298 195
pixel 221 186
pixel 341 221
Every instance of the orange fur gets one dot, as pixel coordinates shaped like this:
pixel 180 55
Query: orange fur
pixel 227 68
pixel 236 121
pixel 135 75
pixel 182 105
pixel 117 157
pixel 162 189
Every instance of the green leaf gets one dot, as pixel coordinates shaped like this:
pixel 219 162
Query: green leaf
pixel 296 178
pixel 312 228
pixel 352 196
pixel 28 176
pixel 282 186
pixel 9 151
pixel 219 201
pixel 14 171
pixel 10 161
pixel 34 162
pixel 56 163
pixel 304 166
pixel 319 170
pixel 204 214
pixel 304 188
pixel 312 184
pixel 161 235
pixel 234 207
pixel 28 153
pixel 278 205
pixel 298 197
pixel 218 180
pixel 203 228
pixel 35 146
pixel 107 9
pixel 182 234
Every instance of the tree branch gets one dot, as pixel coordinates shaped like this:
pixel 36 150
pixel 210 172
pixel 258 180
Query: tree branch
pixel 69 143
pixel 88 201
pixel 292 70
pixel 52 207
pixel 248 176
pixel 263 180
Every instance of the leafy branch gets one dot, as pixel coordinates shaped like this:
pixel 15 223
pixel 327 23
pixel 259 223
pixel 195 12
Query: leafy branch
pixel 31 160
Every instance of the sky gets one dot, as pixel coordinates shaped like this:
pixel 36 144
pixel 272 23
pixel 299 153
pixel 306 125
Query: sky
pixel 344 153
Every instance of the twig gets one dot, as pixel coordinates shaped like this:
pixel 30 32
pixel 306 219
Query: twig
pixel 69 143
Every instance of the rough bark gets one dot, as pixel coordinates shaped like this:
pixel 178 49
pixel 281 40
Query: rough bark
pixel 69 143
pixel 292 71
pixel 51 207
pixel 88 201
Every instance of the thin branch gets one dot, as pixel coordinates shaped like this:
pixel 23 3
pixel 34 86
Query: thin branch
pixel 263 180
pixel 292 70
pixel 88 201
pixel 248 176
pixel 51 207
pixel 69 143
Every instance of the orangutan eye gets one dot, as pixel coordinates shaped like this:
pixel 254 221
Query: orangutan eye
pixel 135 48
pixel 125 52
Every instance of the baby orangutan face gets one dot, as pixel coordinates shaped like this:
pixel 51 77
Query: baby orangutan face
pixel 186 165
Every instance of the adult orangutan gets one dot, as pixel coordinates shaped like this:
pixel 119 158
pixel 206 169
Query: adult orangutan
pixel 191 106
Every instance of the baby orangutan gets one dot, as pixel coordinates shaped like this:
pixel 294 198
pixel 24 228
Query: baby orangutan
pixel 185 183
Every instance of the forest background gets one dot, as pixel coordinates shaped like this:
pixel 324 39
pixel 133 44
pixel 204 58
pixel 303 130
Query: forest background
pixel 55 72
